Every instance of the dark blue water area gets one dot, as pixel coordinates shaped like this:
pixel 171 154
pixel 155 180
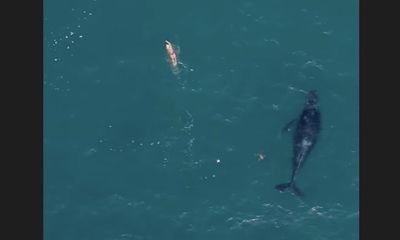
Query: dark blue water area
pixel 134 151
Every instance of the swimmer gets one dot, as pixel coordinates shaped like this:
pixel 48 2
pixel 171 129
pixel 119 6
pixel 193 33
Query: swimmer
pixel 172 52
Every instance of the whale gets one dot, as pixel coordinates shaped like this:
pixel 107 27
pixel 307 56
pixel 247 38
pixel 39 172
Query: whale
pixel 305 136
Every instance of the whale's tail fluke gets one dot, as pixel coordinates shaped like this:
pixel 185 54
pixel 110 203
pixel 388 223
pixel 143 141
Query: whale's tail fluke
pixel 289 186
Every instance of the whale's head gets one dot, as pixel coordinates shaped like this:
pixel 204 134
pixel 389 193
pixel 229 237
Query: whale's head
pixel 312 99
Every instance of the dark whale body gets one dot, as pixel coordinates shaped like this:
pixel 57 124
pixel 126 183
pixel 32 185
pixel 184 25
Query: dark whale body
pixel 304 138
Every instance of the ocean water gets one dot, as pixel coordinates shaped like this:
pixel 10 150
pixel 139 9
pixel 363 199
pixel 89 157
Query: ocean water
pixel 135 152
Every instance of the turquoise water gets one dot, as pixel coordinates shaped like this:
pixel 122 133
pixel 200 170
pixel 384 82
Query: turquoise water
pixel 133 151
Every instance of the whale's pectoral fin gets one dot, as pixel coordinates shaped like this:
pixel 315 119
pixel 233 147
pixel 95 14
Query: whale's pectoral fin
pixel 288 127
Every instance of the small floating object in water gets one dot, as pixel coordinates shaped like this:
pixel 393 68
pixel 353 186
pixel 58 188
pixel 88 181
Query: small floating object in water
pixel 260 156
